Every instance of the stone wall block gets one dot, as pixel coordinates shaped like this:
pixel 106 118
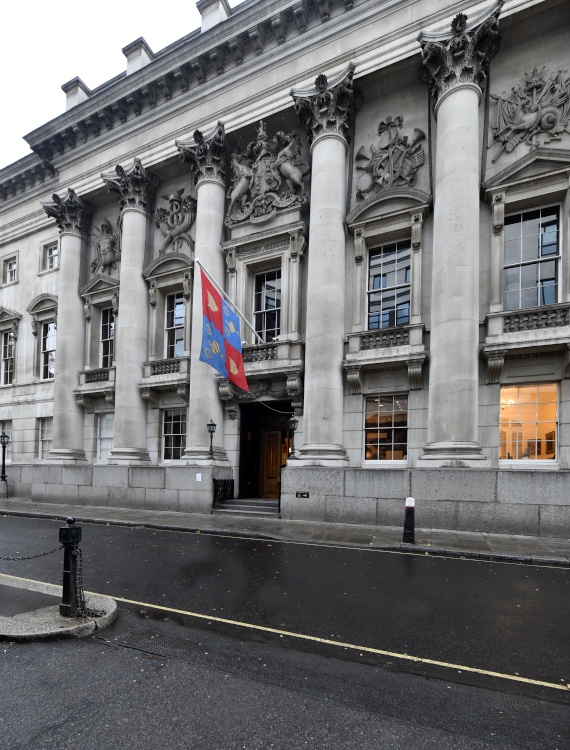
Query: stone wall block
pixel 382 483
pixel 350 510
pixel 195 501
pixel 87 495
pixel 461 485
pixel 554 521
pixel 46 474
pixel 303 509
pixel 147 477
pixel 534 487
pixel 159 499
pixel 61 493
pixel 27 474
pixel 111 476
pixel 434 514
pixel 77 475
pixel 38 493
pixel 390 512
pixel 127 497
pixel 185 478
pixel 316 481
pixel 20 489
pixel 498 518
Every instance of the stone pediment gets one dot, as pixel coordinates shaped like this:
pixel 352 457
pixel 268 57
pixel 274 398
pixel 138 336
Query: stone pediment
pixel 170 263
pixel 540 162
pixel 8 316
pixel 42 303
pixel 387 203
pixel 99 283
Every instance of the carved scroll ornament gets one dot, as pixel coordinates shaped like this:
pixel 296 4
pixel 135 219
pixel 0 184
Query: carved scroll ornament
pixel 465 56
pixel 538 105
pixel 395 162
pixel 176 221
pixel 267 178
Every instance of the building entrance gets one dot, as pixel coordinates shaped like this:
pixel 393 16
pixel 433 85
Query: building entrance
pixel 265 444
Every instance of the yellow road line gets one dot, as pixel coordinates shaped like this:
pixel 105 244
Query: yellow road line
pixel 327 641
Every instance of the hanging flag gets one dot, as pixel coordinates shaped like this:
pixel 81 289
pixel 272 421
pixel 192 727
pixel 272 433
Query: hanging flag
pixel 221 341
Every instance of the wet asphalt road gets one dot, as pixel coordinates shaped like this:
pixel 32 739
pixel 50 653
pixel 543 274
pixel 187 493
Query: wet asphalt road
pixel 507 618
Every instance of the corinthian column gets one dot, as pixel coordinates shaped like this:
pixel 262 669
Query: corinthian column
pixel 136 189
pixel 455 67
pixel 72 216
pixel 207 156
pixel 326 111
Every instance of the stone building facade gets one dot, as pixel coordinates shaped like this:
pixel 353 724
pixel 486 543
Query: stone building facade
pixel 382 189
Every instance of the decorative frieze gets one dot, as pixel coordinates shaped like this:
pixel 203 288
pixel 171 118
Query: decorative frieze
pixel 206 154
pixel 176 221
pixel 267 178
pixel 464 57
pixel 135 186
pixel 394 162
pixel 327 107
pixel 539 105
pixel 106 247
pixel 71 214
pixel 536 319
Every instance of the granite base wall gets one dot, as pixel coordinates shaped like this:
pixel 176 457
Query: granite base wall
pixel 495 501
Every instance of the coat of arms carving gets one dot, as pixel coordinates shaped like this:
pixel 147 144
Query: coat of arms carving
pixel 176 221
pixel 267 178
pixel 394 162
pixel 538 105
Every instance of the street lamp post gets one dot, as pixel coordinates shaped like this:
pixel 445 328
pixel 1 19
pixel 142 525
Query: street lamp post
pixel 4 440
pixel 293 423
pixel 211 429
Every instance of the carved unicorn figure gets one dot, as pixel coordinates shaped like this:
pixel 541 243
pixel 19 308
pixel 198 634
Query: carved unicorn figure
pixel 287 162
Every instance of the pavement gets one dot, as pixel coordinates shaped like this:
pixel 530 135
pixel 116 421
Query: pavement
pixel 29 609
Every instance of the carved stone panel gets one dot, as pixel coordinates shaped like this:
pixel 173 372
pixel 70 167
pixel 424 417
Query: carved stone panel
pixel 394 162
pixel 267 177
pixel 539 105
pixel 106 247
pixel 176 221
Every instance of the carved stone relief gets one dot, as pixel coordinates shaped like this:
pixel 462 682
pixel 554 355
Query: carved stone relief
pixel 135 186
pixel 71 214
pixel 176 221
pixel 267 178
pixel 206 154
pixel 106 247
pixel 538 105
pixel 394 162
pixel 464 57
pixel 328 107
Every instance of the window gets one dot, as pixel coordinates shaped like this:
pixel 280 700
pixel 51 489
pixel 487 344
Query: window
pixel 267 305
pixel 532 257
pixel 173 434
pixel 107 337
pixel 6 426
pixel 105 432
pixel 386 428
pixel 174 339
pixel 528 422
pixel 47 359
pixel 44 445
pixel 7 363
pixel 50 256
pixel 389 277
pixel 10 270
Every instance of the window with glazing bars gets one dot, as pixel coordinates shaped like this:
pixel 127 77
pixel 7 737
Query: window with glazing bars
pixel 389 277
pixel 50 256
pixel 45 432
pixel 173 434
pixel 105 433
pixel 174 325
pixel 267 305
pixel 386 428
pixel 7 364
pixel 532 256
pixel 107 336
pixel 47 359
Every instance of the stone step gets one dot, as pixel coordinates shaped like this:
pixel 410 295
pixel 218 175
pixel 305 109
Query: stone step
pixel 241 511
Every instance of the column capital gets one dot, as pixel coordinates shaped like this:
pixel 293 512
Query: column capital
pixel 326 108
pixel 464 57
pixel 206 154
pixel 135 186
pixel 72 214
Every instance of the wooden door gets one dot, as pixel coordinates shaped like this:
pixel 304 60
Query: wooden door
pixel 271 464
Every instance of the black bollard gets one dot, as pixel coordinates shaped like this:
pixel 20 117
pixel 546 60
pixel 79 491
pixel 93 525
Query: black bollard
pixel 69 536
pixel 409 522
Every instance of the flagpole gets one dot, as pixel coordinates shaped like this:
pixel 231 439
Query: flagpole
pixel 229 301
